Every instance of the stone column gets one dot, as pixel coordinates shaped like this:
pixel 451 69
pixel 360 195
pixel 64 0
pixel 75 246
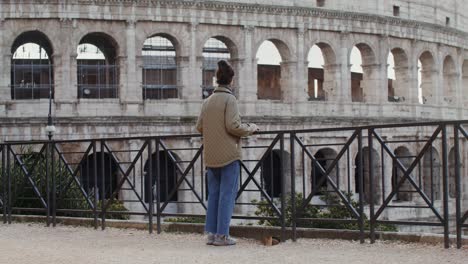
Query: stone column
pixel 288 83
pixel 374 83
pixel 331 83
pixel 344 92
pixel 248 71
pixel 183 76
pixel 71 94
pixel 131 89
pixel 237 65
pixel 122 65
pixel 192 86
pixel 299 76
pixel 59 85
pixel 5 77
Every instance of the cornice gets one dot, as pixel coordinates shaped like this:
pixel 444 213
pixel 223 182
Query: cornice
pixel 304 12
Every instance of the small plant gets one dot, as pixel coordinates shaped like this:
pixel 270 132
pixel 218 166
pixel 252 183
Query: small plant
pixel 191 220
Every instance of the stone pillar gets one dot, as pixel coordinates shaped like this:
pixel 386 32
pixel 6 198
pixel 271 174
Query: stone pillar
pixel 192 86
pixel 58 77
pixel 374 83
pixel 248 71
pixel 331 82
pixel 237 65
pixel 5 76
pixel 299 75
pixel 183 77
pixel 122 65
pixel 71 94
pixel 131 89
pixel 288 83
pixel 344 92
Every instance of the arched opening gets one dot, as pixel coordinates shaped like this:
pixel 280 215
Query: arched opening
pixel 167 177
pixel 398 76
pixel 97 67
pixel 406 158
pixel 215 49
pixel 32 67
pixel 106 182
pixel 450 79
pixel 432 174
pixel 271 168
pixel 315 74
pixel 452 167
pixel 465 82
pixel 426 77
pixel 376 167
pixel 271 69
pixel 362 69
pixel 159 68
pixel 324 158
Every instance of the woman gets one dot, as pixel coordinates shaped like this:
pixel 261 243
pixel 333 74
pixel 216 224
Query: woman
pixel 220 124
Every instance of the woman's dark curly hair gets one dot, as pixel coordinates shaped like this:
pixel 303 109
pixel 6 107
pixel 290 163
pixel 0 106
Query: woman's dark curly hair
pixel 225 73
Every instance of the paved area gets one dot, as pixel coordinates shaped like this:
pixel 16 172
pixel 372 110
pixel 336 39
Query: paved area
pixel 34 243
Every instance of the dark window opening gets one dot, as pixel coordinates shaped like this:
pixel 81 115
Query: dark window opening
pixel 31 67
pixel 106 183
pixel 271 174
pixel 396 11
pixel 320 3
pixel 167 177
pixel 213 51
pixel 447 21
pixel 97 67
pixel 159 69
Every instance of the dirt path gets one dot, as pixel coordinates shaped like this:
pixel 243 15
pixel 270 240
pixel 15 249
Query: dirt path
pixel 34 243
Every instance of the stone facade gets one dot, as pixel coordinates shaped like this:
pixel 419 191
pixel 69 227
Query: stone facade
pixel 421 31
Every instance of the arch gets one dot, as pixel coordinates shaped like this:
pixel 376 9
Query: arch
pixel 449 80
pixel 320 76
pixel 215 49
pixel 159 69
pixel 366 174
pixel 362 86
pixel 272 77
pixel 465 81
pixel 32 76
pixel 271 169
pixel 426 78
pixel 98 77
pixel 324 157
pixel 432 174
pixel 406 158
pixel 398 84
pixel 108 183
pixel 168 176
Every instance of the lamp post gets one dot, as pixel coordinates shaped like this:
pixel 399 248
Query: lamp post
pixel 50 128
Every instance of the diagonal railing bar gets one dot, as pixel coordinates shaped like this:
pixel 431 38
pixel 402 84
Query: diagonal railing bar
pixel 72 173
pixel 125 176
pixel 463 131
pixel 327 172
pixel 183 177
pixel 262 191
pixel 254 171
pixel 28 176
pixel 407 172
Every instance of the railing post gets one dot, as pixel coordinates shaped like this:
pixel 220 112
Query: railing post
pixel 158 188
pixel 283 189
pixel 293 186
pixel 9 183
pixel 54 189
pixel 361 188
pixel 457 184
pixel 103 188
pixel 47 158
pixel 372 186
pixel 4 183
pixel 95 207
pixel 149 187
pixel 445 190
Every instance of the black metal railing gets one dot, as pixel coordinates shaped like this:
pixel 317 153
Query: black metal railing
pixel 367 178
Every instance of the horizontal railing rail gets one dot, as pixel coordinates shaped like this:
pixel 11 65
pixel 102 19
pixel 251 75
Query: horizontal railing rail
pixel 367 178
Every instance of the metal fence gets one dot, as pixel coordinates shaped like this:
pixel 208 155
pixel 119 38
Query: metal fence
pixel 369 178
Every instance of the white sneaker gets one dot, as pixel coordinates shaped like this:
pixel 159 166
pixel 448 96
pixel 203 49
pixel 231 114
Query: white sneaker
pixel 222 240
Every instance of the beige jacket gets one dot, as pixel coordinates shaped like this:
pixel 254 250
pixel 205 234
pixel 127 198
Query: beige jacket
pixel 220 124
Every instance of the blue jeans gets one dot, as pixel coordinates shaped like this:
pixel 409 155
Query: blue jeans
pixel 222 191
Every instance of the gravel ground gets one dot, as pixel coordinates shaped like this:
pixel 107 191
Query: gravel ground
pixel 34 243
